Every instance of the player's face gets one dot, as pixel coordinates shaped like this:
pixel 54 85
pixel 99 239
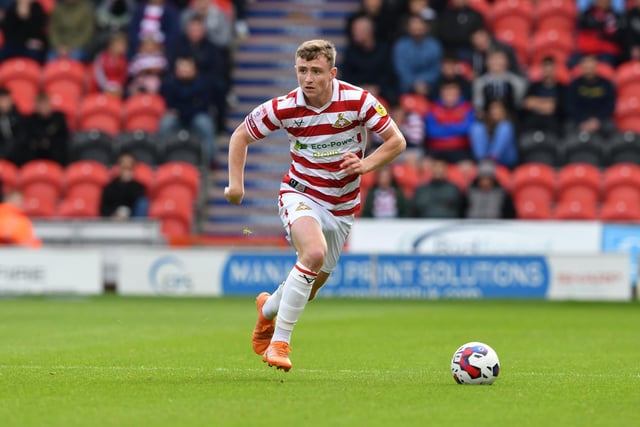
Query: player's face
pixel 315 78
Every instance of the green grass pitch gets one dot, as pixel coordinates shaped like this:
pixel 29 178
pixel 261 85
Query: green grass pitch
pixel 115 361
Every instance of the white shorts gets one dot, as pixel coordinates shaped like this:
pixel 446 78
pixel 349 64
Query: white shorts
pixel 335 228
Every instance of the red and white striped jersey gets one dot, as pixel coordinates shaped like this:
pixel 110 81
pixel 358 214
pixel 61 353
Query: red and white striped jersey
pixel 318 137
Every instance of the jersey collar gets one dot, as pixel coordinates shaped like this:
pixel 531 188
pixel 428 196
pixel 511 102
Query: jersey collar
pixel 301 102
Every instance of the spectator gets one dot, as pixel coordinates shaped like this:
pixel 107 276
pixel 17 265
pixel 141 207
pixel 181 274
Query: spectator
pixel 410 124
pixel 209 62
pixel 416 58
pixel 110 66
pixel 219 27
pixel 187 96
pixel 47 133
pixel 439 198
pixel 590 101
pixel 12 127
pixel 124 196
pixel 155 19
pixel 456 24
pixel 71 29
pixel 494 137
pixel 498 84
pixel 423 9
pixel 447 125
pixel 385 199
pixel 486 199
pixel 112 17
pixel 15 227
pixel 631 28
pixel 482 44
pixel 147 68
pixel 451 70
pixel 543 105
pixel 599 33
pixel 241 26
pixel 363 54
pixel 384 17
pixel 24 28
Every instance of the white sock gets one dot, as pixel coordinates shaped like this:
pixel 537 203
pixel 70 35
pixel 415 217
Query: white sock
pixel 295 294
pixel 270 307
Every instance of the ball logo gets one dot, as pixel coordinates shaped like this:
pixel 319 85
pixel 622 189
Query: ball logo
pixel 168 276
pixel 463 360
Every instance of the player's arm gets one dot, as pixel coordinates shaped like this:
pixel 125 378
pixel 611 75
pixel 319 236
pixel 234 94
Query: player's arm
pixel 393 145
pixel 240 140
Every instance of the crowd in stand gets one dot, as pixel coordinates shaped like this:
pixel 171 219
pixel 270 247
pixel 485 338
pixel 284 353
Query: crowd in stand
pixel 468 83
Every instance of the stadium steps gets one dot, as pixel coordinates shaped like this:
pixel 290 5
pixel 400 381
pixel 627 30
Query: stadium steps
pixel 263 69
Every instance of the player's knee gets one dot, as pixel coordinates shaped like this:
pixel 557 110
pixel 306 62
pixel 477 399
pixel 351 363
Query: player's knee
pixel 314 258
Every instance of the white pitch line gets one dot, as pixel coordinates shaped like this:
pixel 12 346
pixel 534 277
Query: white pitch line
pixel 302 370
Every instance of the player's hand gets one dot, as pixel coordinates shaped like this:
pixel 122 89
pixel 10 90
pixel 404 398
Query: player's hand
pixel 234 195
pixel 351 164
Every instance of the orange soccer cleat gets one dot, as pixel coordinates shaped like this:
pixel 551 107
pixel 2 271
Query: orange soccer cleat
pixel 277 355
pixel 263 331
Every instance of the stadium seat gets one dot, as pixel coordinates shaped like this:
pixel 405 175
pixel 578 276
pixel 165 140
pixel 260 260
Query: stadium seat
pixel 622 192
pixel 24 94
pixel 366 182
pixel 621 176
pixel 66 104
pixel 177 174
pixel 35 205
pixel 47 5
pixel 556 14
pixel 576 209
pixel 557 44
pixel 534 175
pixel 176 218
pixel 620 210
pixel 183 146
pixel 8 175
pixel 627 78
pixel 143 146
pixel 458 177
pixel 624 147
pixel 79 207
pixel 143 112
pixel 85 178
pixel 43 177
pixel 579 181
pixel 100 112
pixel 584 147
pixel 407 177
pixel 415 103
pixel 65 69
pixel 20 69
pixel 93 145
pixel 539 147
pixel 627 113
pixel 514 15
pixel 517 39
pixel 533 203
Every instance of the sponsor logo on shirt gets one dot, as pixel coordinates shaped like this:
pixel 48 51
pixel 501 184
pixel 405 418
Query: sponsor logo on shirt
pixel 380 109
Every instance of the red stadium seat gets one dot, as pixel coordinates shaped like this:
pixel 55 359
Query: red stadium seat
pixel 24 94
pixel 143 173
pixel 43 177
pixel 557 44
pixel 458 177
pixel 100 112
pixel 8 175
pixel 578 210
pixel 367 181
pixel 20 69
pixel 415 103
pixel 36 205
pixel 579 178
pixel 407 177
pixel 517 39
pixel 623 192
pixel 177 174
pixel 557 15
pixel 79 207
pixel 533 203
pixel 534 174
pixel 67 105
pixel 627 78
pixel 143 112
pixel 175 217
pixel 625 176
pixel 511 15
pixel 627 113
pixel 47 5
pixel 85 178
pixel 620 210
pixel 72 72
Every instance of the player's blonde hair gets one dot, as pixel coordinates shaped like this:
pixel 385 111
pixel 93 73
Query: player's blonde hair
pixel 312 49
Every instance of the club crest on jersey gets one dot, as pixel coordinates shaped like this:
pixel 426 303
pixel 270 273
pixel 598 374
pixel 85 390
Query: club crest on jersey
pixel 302 206
pixel 380 109
pixel 341 122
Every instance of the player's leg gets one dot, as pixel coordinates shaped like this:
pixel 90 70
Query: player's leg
pixel 309 242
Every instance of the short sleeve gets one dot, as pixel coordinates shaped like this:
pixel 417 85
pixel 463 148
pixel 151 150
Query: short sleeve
pixel 376 116
pixel 262 120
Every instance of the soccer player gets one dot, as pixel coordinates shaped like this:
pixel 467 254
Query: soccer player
pixel 326 121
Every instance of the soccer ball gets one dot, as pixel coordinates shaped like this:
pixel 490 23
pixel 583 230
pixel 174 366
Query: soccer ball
pixel 475 363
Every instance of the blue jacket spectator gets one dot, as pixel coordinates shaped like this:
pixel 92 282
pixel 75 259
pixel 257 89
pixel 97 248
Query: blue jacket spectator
pixel 494 137
pixel 145 23
pixel 416 58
